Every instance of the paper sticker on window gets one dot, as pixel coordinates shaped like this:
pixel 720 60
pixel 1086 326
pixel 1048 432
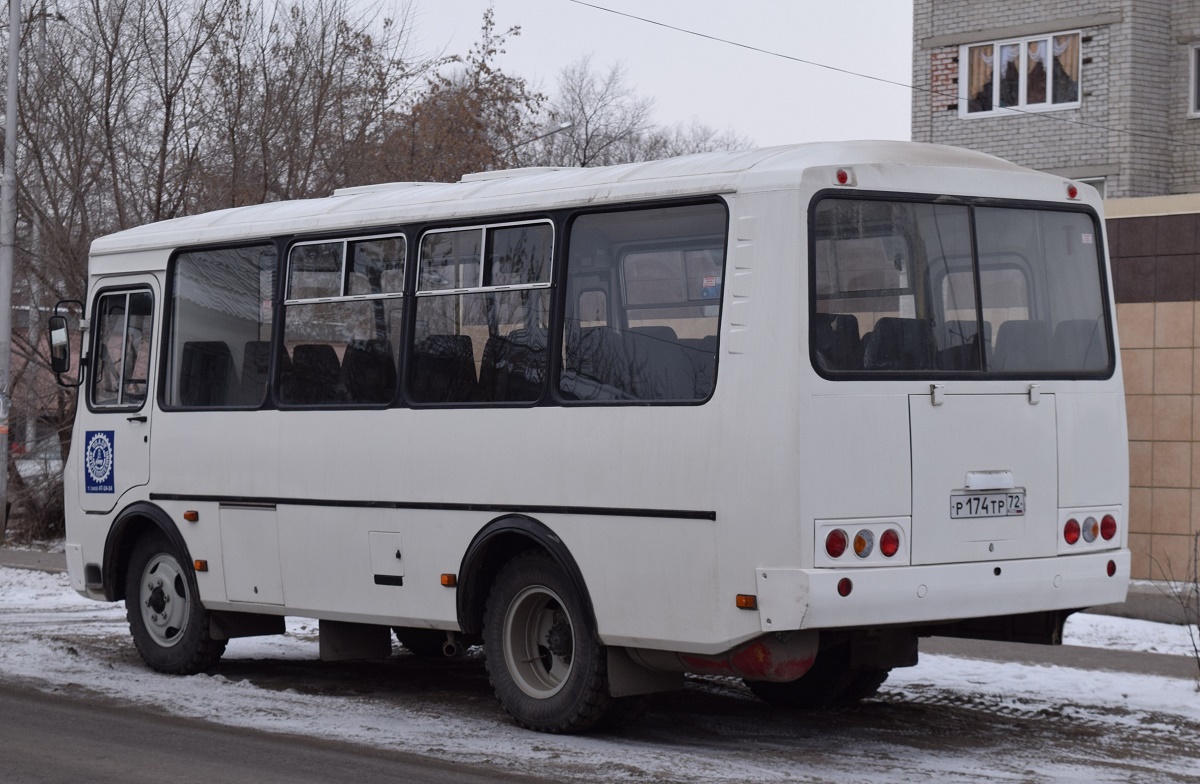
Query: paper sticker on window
pixel 709 288
pixel 99 459
pixel 1087 239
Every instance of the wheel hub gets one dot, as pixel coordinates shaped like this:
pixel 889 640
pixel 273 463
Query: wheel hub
pixel 164 618
pixel 558 639
pixel 157 600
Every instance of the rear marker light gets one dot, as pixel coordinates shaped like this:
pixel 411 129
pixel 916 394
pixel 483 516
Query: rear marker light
pixel 835 543
pixel 842 176
pixel 1091 529
pixel 864 543
pixel 1072 191
pixel 1112 568
pixel 1108 527
pixel 1071 531
pixel 845 586
pixel 889 543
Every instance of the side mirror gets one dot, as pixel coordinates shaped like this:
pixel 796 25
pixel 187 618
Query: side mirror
pixel 66 341
pixel 60 345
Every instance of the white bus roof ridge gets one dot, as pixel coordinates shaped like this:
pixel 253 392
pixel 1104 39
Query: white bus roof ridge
pixel 378 205
pixel 501 174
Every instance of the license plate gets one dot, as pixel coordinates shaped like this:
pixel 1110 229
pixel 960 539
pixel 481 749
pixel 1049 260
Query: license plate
pixel 1008 504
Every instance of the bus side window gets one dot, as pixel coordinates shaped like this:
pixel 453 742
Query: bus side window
pixel 480 332
pixel 121 354
pixel 344 305
pixel 217 349
pixel 659 341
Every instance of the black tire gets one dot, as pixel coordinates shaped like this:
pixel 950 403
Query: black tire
pixel 168 623
pixel 545 664
pixel 426 643
pixel 830 683
pixel 865 684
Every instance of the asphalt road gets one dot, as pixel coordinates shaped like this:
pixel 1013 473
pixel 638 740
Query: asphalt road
pixel 54 738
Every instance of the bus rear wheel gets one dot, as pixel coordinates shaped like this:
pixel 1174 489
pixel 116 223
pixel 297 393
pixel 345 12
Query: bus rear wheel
pixel 830 683
pixel 547 667
pixel 168 623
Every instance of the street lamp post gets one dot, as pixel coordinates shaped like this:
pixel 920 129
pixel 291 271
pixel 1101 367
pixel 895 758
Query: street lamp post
pixel 8 232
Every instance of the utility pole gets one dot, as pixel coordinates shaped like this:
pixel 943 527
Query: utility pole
pixel 8 234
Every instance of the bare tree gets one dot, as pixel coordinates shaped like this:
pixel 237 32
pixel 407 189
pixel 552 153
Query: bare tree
pixel 134 111
pixel 611 123
pixel 608 118
pixel 471 117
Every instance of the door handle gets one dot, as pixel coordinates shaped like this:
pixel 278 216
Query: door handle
pixel 138 418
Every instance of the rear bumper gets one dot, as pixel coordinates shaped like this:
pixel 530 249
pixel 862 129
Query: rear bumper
pixel 809 598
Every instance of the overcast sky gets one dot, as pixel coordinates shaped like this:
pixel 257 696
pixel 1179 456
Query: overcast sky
pixel 767 98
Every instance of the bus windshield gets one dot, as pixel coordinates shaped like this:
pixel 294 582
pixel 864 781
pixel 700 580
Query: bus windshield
pixel 937 288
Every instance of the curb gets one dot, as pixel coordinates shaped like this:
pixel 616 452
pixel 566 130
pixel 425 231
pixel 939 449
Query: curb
pixel 39 560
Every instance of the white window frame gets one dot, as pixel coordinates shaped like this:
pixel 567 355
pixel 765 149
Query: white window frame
pixel 1194 80
pixel 1021 107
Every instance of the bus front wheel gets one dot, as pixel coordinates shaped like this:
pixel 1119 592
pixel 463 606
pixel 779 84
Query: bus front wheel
pixel 547 667
pixel 169 626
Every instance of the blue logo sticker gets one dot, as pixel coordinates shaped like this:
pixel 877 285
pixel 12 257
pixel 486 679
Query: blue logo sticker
pixel 99 458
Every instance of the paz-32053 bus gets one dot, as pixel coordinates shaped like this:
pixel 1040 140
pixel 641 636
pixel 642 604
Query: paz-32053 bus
pixel 774 414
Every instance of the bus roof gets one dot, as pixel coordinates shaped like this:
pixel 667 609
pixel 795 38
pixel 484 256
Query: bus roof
pixel 536 189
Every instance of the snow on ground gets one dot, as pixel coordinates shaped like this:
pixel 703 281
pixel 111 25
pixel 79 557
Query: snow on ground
pixel 58 640
pixel 1128 634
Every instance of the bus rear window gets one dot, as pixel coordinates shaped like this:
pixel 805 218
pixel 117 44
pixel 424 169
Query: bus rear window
pixel 918 288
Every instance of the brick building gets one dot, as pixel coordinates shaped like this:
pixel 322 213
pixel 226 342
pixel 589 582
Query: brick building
pixel 1108 93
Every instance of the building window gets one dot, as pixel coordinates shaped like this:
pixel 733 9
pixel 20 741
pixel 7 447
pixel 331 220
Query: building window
pixel 1194 79
pixel 1031 74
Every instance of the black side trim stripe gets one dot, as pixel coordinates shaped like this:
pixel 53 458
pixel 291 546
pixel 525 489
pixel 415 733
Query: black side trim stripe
pixel 671 514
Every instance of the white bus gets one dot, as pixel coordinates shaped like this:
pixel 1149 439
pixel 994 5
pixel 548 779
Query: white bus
pixel 774 414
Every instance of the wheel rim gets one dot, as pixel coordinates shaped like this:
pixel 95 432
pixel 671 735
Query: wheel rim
pixel 164 600
pixel 539 642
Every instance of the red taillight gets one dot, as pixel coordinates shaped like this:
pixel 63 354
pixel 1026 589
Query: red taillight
pixel 1108 527
pixel 836 542
pixel 1072 191
pixel 889 543
pixel 1071 531
pixel 842 176
pixel 845 586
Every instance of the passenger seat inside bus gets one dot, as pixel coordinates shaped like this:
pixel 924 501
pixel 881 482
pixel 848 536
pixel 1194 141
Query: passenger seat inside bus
pixel 595 366
pixel 313 376
pixel 368 372
pixel 442 370
pixel 205 374
pixel 959 345
pixel 836 342
pixel 660 369
pixel 900 344
pixel 1079 344
pixel 1021 346
pixel 514 366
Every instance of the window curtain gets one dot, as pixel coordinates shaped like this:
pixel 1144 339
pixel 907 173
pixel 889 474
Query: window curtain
pixel 979 78
pixel 1066 68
